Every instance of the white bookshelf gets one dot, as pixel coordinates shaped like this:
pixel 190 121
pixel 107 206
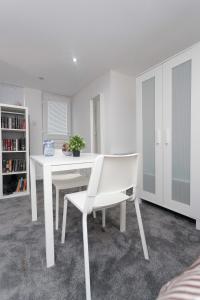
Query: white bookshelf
pixel 15 130
pixel 9 177
pixel 14 151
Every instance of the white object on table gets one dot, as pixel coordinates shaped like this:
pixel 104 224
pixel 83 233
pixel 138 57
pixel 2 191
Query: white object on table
pixel 50 164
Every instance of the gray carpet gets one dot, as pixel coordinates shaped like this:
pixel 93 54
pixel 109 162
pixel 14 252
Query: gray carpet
pixel 118 268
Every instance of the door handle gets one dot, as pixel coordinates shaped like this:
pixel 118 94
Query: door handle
pixel 158 136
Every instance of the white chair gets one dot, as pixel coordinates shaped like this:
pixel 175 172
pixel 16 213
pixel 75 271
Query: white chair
pixel 65 181
pixel 110 178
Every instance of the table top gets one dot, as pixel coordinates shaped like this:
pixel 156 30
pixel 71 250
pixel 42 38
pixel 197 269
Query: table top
pixel 60 159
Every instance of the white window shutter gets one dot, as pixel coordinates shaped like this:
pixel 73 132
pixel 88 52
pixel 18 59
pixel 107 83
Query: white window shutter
pixel 57 118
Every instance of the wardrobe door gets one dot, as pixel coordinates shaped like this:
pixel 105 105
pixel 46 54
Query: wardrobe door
pixel 178 74
pixel 149 128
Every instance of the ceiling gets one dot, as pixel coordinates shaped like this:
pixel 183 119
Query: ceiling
pixel 39 38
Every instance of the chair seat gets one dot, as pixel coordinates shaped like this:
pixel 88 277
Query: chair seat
pixel 72 180
pixel 101 201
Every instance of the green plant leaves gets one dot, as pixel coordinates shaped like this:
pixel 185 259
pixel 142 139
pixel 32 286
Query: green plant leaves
pixel 76 143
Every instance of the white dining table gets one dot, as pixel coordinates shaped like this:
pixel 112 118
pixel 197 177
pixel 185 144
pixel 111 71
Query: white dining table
pixel 57 163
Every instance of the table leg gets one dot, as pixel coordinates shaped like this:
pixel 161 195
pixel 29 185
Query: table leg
pixel 33 191
pixel 48 214
pixel 123 216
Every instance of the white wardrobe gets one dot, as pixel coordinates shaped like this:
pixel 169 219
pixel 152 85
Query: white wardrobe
pixel 168 134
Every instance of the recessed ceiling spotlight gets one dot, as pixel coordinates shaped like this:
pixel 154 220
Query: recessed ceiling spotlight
pixel 41 78
pixel 74 60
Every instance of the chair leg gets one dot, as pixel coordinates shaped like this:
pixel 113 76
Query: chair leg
pixel 86 257
pixel 94 214
pixel 64 221
pixel 57 208
pixel 103 217
pixel 141 229
pixel 123 216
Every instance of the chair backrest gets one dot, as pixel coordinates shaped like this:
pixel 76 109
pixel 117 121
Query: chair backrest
pixel 112 174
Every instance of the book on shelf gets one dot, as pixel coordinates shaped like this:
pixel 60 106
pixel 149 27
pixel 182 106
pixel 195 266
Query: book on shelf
pixel 16 122
pixel 21 185
pixel 13 165
pixel 18 186
pixel 13 184
pixel 14 144
pixel 25 185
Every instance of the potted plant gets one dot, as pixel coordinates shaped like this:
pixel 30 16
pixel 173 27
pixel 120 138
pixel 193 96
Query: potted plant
pixel 76 143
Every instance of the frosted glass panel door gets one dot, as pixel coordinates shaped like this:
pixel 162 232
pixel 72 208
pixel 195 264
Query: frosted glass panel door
pixel 181 121
pixel 177 149
pixel 149 140
pixel 148 118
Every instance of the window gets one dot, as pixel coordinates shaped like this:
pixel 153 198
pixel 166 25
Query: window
pixel 57 118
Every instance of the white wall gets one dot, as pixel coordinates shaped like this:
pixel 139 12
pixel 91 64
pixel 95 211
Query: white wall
pixel 33 100
pixel 122 111
pixel 81 109
pixel 119 113
pixel 11 94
